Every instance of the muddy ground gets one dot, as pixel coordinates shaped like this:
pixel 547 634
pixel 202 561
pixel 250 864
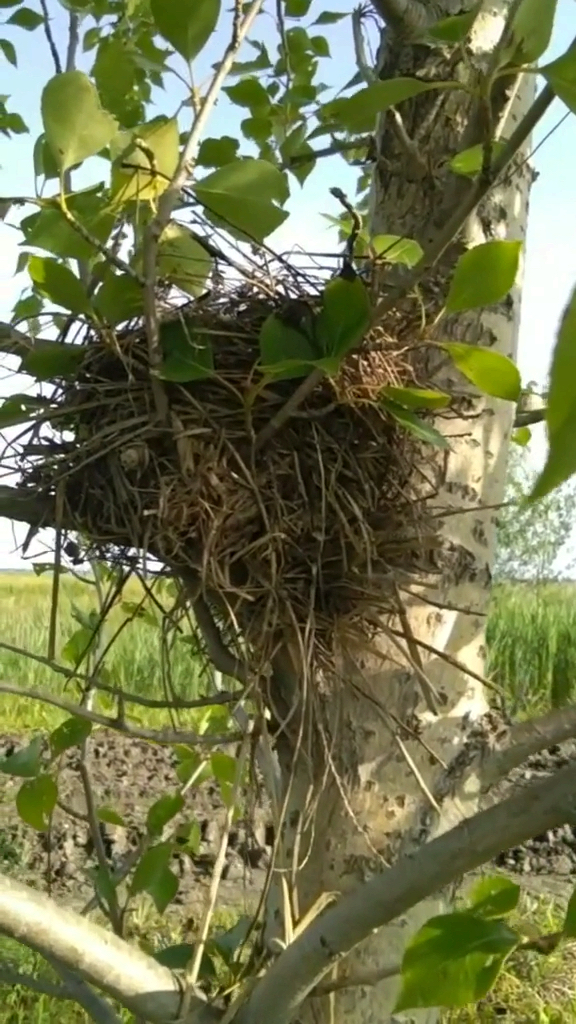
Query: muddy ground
pixel 129 776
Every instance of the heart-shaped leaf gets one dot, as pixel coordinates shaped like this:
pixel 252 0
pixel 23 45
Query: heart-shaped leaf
pixel 182 260
pixel 244 195
pixel 71 733
pixel 494 896
pixel 36 800
pixel 75 124
pixel 146 165
pixel 484 275
pixel 57 283
pixel 186 24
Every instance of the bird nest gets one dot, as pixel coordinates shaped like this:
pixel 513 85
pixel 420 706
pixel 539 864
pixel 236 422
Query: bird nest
pixel 315 525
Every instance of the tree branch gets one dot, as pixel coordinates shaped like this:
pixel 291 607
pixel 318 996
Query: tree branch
pixel 528 738
pixel 94 1005
pixel 414 878
pixel 406 16
pixel 123 972
pixel 10 977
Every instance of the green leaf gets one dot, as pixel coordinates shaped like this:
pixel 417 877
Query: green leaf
pixel 77 646
pixel 229 943
pixel 491 372
pixel 162 811
pixel 320 46
pixel 187 355
pixel 285 351
pixel 569 926
pixel 531 30
pixel 186 24
pixel 49 229
pixel 189 837
pixel 9 3
pixel 455 29
pixel 75 124
pixel 484 275
pixel 494 896
pixel 396 249
pixel 182 260
pixel 26 18
pixel 330 17
pixel 71 733
pixel 561 75
pixel 52 359
pixel 177 957
pixel 25 763
pixel 44 161
pixel 147 164
pixel 243 194
pixel 345 315
pixel 217 152
pixel 154 876
pixel 36 800
pixel 522 436
pixel 453 960
pixel 115 74
pixel 119 298
pixel 224 768
pixel 358 113
pixel 189 764
pixel 249 92
pixel 9 51
pixel 408 419
pixel 296 8
pixel 561 408
pixel 417 398
pixel 57 283
pixel 469 162
pixel 110 817
pixel 18 409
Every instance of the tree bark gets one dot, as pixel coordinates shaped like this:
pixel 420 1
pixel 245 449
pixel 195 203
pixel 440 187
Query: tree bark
pixel 384 750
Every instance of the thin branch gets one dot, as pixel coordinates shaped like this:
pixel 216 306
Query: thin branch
pixel 368 978
pixel 527 738
pixel 393 892
pixel 171 195
pixel 154 735
pixel 10 977
pixel 50 38
pixel 94 1005
pixel 73 40
pixel 123 972
pixel 531 416
pixel 406 17
pixel 343 146
pixel 220 656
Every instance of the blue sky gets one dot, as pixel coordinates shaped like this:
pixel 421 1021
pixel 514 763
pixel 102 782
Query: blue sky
pixel 550 271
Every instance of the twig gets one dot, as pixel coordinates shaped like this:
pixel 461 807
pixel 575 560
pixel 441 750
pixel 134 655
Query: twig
pixel 10 977
pixel 366 978
pixel 528 418
pixel 527 738
pixel 96 1007
pixel 333 150
pixel 167 736
pixel 50 38
pixel 96 836
pixel 73 40
pixel 170 197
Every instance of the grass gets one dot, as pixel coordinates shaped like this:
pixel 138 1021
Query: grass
pixel 531 639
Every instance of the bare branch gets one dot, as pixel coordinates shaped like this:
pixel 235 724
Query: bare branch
pixel 154 735
pixel 25 505
pixel 123 972
pixel 358 979
pixel 476 841
pixel 10 977
pixel 527 738
pixel 94 1005
pixel 526 419
pixel 50 38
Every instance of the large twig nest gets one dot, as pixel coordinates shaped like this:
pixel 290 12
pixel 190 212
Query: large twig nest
pixel 314 526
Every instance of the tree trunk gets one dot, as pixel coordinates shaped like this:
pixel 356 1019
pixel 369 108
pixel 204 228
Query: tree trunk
pixel 384 747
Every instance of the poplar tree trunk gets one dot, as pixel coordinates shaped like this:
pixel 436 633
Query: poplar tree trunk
pixel 376 799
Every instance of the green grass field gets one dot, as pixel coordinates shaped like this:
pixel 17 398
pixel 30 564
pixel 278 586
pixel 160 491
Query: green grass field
pixel 531 639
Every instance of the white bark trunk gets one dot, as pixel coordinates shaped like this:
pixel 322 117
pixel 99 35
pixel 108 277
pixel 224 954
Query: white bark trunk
pixel 379 798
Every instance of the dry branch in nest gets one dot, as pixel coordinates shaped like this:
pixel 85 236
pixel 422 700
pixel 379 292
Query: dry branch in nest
pixel 310 529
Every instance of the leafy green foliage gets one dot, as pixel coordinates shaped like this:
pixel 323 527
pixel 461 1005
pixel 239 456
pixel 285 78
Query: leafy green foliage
pixel 494 896
pixel 146 165
pixel 454 960
pixel 469 162
pixel 36 800
pixel 570 918
pixel 287 351
pixel 51 360
pixel 186 24
pixel 244 196
pixel 26 762
pixel 51 230
pixel 345 315
pixel 414 425
pixel 162 812
pixel 416 398
pixel 75 124
pixel 531 31
pixel 358 113
pixel 72 733
pixel 395 249
pixel 187 356
pixel 57 283
pixel 25 18
pixel 484 275
pixel 182 260
pixel 455 29
pixel 491 372
pixel 119 298
pixel 154 876
pixel 561 76
pixel 561 412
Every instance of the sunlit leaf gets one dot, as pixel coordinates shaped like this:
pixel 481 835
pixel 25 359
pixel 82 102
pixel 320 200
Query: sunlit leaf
pixel 36 800
pixel 358 113
pixel 145 168
pixel 19 409
pixel 217 152
pixel 561 75
pixel 75 124
pixel 345 315
pixel 57 283
pixel 561 407
pixel 522 436
pixel 188 355
pixel 484 275
pixel 110 817
pixel 249 92
pixel 531 30
pixel 52 359
pixel 115 74
pixel 25 763
pixel 71 733
pixel 493 373
pixel 469 162
pixel 453 960
pixel 417 398
pixel 78 645
pixel 119 298
pixel 162 811
pixel 330 17
pixel 186 24
pixel 494 896
pixel 182 260
pixel 49 229
pixel 411 422
pixel 456 28
pixel 244 195
pixel 224 768
pixel 154 876
pixel 395 249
